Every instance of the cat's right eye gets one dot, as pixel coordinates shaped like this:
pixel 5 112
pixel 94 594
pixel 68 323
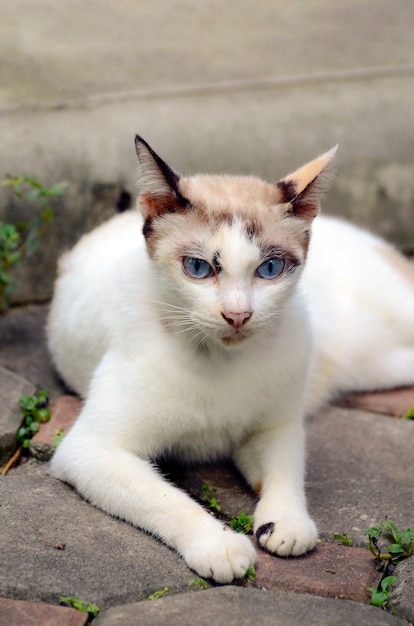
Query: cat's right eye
pixel 270 269
pixel 197 268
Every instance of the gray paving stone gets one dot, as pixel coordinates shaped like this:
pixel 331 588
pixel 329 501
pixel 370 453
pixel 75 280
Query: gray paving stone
pixel 104 560
pixel 360 468
pixel 231 606
pixel 12 388
pixel 401 598
pixel 23 347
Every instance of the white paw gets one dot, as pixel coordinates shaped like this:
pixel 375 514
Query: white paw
pixel 286 534
pixel 221 554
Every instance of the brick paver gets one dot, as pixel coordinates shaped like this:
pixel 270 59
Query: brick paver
pixel 20 613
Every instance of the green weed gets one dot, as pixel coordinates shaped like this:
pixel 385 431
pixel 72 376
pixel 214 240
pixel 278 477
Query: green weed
pixel 59 434
pixel 35 411
pixel 344 539
pixel 210 497
pixel 380 595
pixel 242 522
pixel 400 543
pixel 400 547
pixel 251 573
pixel 198 582
pixel 409 415
pixel 80 605
pixel 158 594
pixel 22 239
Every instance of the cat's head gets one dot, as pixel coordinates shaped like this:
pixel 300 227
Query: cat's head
pixel 228 249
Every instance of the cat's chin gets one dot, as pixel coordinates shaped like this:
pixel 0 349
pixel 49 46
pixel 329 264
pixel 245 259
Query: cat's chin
pixel 234 340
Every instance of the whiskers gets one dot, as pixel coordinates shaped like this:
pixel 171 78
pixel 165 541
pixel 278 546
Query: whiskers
pixel 184 321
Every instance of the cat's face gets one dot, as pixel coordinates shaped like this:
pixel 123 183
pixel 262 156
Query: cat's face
pixel 228 250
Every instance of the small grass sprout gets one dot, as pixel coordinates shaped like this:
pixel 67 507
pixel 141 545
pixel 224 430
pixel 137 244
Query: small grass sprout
pixel 158 594
pixel 81 605
pixel 251 573
pixel 210 497
pixel 59 434
pixel 344 539
pixel 198 582
pixel 242 523
pixel 409 415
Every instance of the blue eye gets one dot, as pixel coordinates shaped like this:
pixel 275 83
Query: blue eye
pixel 272 268
pixel 197 268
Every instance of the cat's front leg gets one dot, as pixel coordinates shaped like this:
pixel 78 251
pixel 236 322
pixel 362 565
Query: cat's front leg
pixel 273 462
pixel 121 483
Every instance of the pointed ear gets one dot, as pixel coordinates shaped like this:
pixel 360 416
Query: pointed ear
pixel 303 188
pixel 158 183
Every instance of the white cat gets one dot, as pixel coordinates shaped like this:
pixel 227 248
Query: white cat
pixel 193 340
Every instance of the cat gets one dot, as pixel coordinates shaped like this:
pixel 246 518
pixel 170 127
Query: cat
pixel 209 326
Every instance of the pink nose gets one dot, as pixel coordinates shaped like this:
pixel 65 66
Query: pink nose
pixel 237 319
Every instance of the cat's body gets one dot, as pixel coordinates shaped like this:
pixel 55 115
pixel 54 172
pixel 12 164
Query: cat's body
pixel 195 342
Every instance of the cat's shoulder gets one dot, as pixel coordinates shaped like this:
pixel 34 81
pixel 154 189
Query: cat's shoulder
pixel 107 242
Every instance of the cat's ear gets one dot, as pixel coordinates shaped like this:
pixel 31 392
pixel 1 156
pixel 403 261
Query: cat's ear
pixel 159 184
pixel 302 190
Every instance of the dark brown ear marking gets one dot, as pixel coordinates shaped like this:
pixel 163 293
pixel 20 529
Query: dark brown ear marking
pixel 305 204
pixel 287 189
pixel 159 183
pixel 303 188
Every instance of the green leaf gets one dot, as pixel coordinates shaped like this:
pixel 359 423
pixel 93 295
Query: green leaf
pixel 251 573
pixel 29 403
pixel 59 434
pixel 81 605
pixel 407 536
pixel 198 582
pixel 378 597
pixel 158 594
pixel 344 539
pixel 390 528
pixel 22 433
pixel 374 531
pixel 395 548
pixel 409 415
pixel 387 582
pixel 42 415
pixel 242 523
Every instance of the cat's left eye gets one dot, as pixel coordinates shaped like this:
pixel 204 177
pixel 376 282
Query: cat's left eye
pixel 197 268
pixel 272 268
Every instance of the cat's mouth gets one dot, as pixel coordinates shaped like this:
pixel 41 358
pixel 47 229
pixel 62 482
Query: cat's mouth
pixel 236 337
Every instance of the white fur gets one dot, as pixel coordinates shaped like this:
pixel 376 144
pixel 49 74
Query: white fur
pixel 156 384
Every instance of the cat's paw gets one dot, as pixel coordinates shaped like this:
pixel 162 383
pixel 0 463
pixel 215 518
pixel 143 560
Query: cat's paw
pixel 286 534
pixel 222 555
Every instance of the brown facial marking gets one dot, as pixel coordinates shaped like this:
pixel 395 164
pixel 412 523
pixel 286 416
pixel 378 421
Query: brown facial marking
pixel 147 228
pixel 155 206
pixel 216 261
pixel 253 228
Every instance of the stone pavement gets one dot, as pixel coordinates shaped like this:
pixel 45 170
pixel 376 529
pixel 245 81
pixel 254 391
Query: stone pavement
pixel 53 543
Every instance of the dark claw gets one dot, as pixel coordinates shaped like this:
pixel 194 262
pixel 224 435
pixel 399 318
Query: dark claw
pixel 266 529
